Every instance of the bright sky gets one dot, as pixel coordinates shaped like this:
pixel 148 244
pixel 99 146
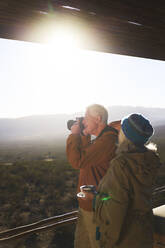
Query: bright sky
pixel 37 79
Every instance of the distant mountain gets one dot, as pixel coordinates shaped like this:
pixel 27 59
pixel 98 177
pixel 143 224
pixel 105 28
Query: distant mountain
pixel 51 126
pixel 34 127
pixel 155 115
pixel 160 134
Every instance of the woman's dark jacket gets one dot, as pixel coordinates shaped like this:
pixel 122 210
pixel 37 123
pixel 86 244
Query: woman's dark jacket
pixel 123 207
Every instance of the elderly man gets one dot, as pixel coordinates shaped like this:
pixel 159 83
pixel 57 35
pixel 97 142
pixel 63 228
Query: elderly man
pixel 92 159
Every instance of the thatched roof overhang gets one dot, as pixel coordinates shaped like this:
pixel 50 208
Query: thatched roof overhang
pixel 127 27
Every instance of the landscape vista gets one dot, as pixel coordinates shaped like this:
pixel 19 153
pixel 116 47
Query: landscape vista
pixel 41 89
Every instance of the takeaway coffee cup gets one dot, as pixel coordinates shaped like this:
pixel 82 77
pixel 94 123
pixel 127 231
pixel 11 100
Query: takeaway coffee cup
pixel 86 188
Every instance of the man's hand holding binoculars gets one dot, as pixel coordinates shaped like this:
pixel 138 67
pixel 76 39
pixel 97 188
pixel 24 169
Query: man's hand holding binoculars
pixel 75 129
pixel 77 126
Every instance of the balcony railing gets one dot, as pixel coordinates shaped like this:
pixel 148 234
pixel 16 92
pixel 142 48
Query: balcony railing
pixel 38 227
pixel 54 222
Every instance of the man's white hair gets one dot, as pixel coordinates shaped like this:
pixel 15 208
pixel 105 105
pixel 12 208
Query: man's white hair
pixel 98 110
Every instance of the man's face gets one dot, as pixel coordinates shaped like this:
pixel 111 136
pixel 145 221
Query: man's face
pixel 90 123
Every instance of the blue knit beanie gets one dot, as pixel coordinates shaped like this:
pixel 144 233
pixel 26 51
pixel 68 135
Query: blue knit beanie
pixel 137 128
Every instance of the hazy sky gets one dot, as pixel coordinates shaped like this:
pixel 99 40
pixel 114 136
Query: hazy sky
pixel 37 79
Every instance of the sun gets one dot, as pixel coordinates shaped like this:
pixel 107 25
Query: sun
pixel 64 39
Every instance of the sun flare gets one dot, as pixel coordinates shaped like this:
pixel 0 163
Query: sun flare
pixel 63 39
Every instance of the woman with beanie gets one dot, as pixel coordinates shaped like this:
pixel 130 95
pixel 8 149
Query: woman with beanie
pixel 123 204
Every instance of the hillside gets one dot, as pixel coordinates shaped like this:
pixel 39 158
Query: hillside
pixel 33 189
pixel 55 126
pixel 159 139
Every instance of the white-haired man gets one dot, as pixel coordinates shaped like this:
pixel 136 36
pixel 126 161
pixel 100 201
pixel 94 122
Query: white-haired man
pixel 92 159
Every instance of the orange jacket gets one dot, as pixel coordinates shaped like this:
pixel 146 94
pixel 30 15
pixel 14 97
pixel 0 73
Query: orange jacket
pixel 91 158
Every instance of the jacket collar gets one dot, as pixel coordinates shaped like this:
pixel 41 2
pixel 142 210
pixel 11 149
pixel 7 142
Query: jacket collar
pixel 130 147
pixel 107 129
